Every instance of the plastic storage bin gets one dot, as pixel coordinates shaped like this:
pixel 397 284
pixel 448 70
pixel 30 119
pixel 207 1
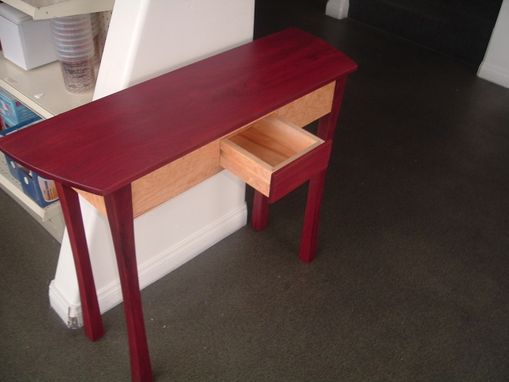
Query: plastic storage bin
pixel 25 42
pixel 13 167
pixel 14 112
pixel 11 164
pixel 41 190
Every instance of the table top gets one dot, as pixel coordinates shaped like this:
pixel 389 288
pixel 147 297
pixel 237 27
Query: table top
pixel 105 145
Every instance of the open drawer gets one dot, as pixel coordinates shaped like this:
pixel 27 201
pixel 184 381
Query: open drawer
pixel 273 156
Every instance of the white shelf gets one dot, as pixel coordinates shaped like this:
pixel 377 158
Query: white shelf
pixel 41 89
pixel 50 217
pixel 13 187
pixel 47 9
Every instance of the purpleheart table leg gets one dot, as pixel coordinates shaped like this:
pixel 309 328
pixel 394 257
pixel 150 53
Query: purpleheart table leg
pixel 327 125
pixel 309 236
pixel 92 320
pixel 260 211
pixel 326 129
pixel 120 216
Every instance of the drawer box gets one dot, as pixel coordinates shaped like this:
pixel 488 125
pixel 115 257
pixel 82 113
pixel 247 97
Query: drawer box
pixel 274 157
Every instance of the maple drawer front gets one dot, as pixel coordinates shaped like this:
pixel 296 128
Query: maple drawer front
pixel 266 148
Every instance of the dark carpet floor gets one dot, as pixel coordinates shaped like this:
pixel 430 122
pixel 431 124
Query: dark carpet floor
pixel 411 279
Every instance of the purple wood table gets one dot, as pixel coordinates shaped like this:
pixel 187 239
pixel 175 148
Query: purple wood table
pixel 242 110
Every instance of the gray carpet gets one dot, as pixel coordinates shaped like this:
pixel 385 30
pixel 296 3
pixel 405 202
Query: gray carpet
pixel 411 279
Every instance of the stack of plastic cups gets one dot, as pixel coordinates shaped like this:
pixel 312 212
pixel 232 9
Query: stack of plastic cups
pixel 75 48
pixel 96 35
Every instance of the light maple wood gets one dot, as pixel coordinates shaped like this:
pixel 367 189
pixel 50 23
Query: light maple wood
pixel 309 108
pixel 273 140
pixel 168 181
pixel 246 166
pixel 268 145
pixel 96 200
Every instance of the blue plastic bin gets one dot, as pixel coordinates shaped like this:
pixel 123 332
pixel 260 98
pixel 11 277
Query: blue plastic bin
pixel 13 166
pixel 41 190
pixel 13 111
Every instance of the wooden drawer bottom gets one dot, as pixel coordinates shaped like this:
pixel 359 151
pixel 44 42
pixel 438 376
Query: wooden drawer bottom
pixel 273 156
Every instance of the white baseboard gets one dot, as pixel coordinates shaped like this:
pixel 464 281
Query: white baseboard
pixel 494 73
pixel 152 270
pixel 337 8
pixel 69 313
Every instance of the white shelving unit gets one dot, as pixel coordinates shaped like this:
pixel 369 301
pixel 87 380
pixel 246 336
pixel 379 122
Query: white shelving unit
pixel 42 90
pixel 49 217
pixel 48 9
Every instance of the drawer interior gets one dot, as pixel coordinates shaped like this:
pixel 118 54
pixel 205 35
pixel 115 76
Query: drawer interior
pixel 264 147
pixel 274 142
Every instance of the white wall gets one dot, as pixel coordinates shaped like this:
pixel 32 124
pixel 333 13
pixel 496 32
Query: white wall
pixel 151 37
pixel 495 66
pixel 337 8
pixel 147 38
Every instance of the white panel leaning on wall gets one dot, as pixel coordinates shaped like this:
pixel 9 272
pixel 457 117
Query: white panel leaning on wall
pixel 337 8
pixel 495 66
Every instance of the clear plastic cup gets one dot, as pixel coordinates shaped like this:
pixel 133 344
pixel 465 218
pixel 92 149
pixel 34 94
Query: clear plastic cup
pixel 96 33
pixel 79 74
pixel 74 44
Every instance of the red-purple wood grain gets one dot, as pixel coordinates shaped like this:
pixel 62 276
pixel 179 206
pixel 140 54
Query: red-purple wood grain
pixel 309 236
pixel 291 176
pixel 120 217
pixel 92 320
pixel 105 145
pixel 260 211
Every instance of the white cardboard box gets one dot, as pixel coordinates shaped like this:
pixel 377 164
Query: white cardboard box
pixel 25 42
